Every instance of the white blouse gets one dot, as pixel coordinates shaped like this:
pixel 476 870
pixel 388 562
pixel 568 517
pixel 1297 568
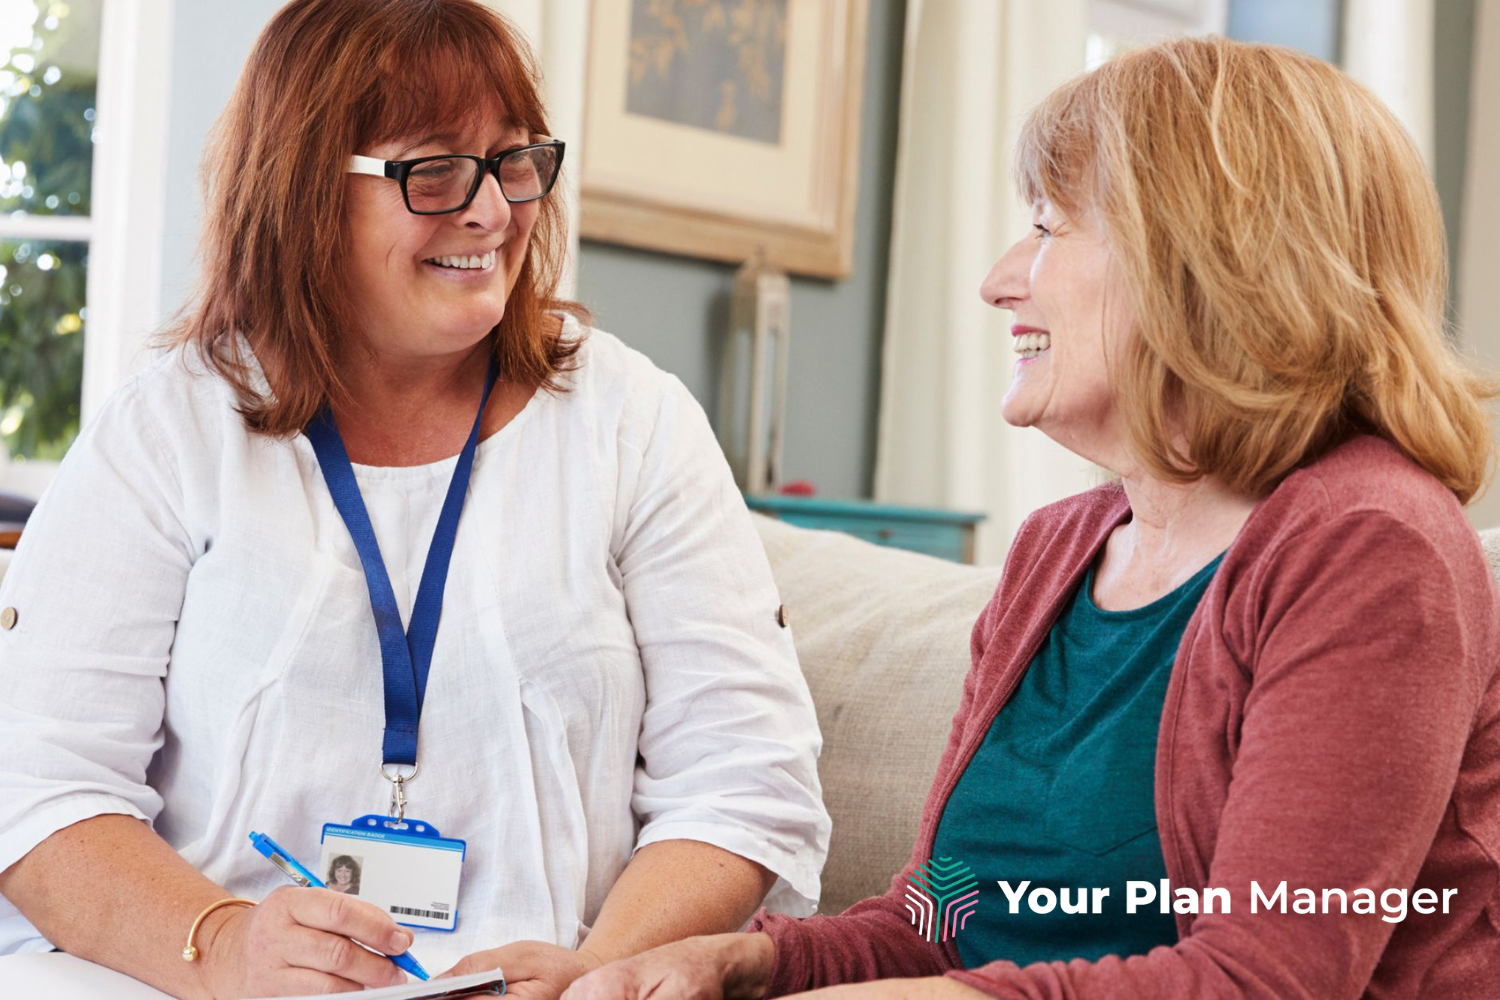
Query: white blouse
pixel 194 646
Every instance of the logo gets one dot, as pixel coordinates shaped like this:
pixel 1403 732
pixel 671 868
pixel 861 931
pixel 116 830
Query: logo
pixel 941 895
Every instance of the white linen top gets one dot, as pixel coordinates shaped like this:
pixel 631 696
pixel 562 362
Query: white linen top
pixel 195 647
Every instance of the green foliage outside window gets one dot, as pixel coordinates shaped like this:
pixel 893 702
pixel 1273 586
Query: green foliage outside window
pixel 41 345
pixel 48 80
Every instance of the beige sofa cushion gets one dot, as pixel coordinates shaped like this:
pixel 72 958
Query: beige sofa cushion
pixel 1490 539
pixel 883 637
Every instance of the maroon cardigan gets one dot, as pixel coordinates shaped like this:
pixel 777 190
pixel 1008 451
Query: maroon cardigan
pixel 1332 720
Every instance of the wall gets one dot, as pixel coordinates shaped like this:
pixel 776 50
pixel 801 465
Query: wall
pixel 1309 25
pixel 675 309
pixel 210 42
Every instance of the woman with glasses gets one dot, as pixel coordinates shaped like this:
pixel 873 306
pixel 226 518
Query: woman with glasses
pixel 391 548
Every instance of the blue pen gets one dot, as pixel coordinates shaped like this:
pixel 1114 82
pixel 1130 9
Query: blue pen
pixel 279 857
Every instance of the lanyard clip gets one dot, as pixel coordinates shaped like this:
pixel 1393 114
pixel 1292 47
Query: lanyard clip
pixel 398 799
pixel 398 790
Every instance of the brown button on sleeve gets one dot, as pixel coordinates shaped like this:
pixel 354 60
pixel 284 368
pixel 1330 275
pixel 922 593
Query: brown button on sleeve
pixel 781 616
pixel 8 619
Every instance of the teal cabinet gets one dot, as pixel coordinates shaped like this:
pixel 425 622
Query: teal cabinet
pixel 947 534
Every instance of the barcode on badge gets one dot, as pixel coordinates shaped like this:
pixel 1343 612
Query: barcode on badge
pixel 407 911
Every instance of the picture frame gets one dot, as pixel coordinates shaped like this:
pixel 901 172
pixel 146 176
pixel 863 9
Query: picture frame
pixel 725 129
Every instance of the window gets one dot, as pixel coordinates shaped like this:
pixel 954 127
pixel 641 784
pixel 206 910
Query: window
pixel 48 87
pixel 84 101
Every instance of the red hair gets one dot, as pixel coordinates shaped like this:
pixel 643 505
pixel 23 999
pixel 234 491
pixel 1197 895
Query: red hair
pixel 326 79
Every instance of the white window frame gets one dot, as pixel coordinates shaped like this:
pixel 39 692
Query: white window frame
pixel 130 192
pixel 125 228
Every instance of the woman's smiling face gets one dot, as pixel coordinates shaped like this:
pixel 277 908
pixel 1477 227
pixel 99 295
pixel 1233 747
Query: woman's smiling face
pixel 1072 315
pixel 411 302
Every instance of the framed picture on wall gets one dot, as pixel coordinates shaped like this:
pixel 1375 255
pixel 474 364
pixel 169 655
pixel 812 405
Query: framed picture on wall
pixel 725 129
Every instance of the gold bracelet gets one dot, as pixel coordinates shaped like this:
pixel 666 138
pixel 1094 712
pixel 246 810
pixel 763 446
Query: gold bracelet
pixel 190 952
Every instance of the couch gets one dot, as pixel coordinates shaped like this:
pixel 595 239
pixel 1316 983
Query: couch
pixel 883 637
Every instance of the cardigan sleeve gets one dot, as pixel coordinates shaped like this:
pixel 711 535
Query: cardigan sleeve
pixel 1370 655
pixel 875 938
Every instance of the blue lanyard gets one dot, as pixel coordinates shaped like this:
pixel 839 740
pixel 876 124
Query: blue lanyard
pixel 406 657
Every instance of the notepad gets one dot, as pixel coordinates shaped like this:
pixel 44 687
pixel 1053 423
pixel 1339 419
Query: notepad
pixel 476 984
pixel 67 977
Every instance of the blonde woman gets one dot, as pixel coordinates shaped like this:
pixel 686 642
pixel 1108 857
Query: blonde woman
pixel 1267 652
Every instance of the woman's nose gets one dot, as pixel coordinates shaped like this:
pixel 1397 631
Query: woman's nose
pixel 489 210
pixel 1006 282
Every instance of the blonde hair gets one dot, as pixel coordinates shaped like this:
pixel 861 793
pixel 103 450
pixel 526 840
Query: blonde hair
pixel 1284 248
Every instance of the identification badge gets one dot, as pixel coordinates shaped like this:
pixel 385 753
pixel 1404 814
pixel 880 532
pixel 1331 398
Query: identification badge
pixel 406 868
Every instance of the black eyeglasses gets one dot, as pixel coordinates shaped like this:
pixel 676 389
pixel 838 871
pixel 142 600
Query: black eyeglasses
pixel 437 185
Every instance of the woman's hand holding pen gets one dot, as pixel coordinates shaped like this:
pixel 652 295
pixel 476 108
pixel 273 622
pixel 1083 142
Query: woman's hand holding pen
pixel 301 941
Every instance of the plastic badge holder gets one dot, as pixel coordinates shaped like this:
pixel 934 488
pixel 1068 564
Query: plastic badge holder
pixel 407 868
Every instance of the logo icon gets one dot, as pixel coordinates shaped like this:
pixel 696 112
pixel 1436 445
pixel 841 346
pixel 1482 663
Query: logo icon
pixel 941 895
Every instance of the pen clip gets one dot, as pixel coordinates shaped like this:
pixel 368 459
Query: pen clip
pixel 291 873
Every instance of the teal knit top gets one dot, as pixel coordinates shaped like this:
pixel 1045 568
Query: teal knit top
pixel 1061 794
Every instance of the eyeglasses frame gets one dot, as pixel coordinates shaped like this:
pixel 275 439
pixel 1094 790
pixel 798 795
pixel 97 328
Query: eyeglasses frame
pixel 400 170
